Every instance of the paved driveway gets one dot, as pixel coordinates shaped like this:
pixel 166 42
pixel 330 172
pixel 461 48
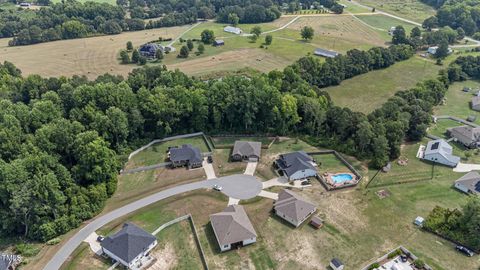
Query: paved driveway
pixel 268 194
pixel 94 244
pixel 251 166
pixel 208 167
pixel 463 167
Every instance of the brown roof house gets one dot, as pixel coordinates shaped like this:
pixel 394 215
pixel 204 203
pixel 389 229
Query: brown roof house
pixel 293 208
pixel 476 103
pixel 469 183
pixel 247 151
pixel 232 228
pixel 467 135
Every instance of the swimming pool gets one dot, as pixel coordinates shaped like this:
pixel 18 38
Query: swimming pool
pixel 341 177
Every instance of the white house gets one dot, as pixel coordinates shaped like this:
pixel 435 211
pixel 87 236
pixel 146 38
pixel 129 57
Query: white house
pixel 293 208
pixel 232 228
pixel 336 264
pixel 433 50
pixel 296 165
pixel 232 30
pixel 469 183
pixel 439 151
pixel 129 246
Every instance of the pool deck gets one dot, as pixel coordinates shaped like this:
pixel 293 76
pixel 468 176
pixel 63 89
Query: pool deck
pixel 332 184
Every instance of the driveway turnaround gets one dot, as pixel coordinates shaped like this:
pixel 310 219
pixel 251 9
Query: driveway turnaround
pixel 239 186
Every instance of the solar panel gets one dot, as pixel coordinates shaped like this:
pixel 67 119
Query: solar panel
pixel 435 145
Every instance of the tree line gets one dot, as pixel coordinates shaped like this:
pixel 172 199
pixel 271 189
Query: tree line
pixel 62 139
pixel 456 14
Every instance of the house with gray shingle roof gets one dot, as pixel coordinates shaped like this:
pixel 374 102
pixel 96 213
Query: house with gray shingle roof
pixel 187 155
pixel 293 208
pixel 439 151
pixel 467 135
pixel 475 103
pixel 247 151
pixel 9 261
pixel 233 228
pixel 469 183
pixel 296 165
pixel 129 246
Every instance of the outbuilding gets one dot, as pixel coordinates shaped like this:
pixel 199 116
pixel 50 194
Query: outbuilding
pixel 232 30
pixel 336 264
pixel 475 103
pixel 218 42
pixel 325 53
pixel 316 222
pixel 419 221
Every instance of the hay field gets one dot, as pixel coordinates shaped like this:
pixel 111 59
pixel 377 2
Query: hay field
pixel 88 56
pixel 345 29
pixel 413 10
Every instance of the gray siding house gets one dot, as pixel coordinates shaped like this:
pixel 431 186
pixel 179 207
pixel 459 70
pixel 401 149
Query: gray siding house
pixel 129 246
pixel 469 183
pixel 293 208
pixel 232 228
pixel 467 135
pixel 476 103
pixel 439 151
pixel 247 151
pixel 187 155
pixel 296 165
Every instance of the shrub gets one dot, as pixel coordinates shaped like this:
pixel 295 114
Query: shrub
pixel 142 60
pixel 394 254
pixel 373 266
pixel 27 250
pixel 53 241
pixel 419 264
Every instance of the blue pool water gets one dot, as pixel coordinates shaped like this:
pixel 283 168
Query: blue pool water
pixel 341 177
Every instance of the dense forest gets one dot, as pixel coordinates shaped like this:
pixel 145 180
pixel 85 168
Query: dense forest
pixel 464 14
pixel 62 139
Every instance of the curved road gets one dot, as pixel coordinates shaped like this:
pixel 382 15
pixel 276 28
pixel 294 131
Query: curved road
pixel 62 255
pixel 239 186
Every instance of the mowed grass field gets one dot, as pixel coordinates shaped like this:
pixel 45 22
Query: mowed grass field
pixel 413 10
pixel 357 222
pixel 98 55
pixel 369 91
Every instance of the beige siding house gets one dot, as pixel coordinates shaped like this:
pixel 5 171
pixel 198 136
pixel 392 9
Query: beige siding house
pixel 293 208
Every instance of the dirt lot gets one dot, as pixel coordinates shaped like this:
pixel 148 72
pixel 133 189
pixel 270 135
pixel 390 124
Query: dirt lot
pixel 88 56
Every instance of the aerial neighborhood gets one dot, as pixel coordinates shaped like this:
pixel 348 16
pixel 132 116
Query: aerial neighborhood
pixel 262 135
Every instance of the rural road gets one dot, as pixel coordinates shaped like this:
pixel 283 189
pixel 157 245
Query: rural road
pixel 469 39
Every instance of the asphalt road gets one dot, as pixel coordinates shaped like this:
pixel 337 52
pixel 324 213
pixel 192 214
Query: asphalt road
pixel 66 250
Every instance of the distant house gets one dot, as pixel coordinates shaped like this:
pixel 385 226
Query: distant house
pixel 296 165
pixel 325 53
pixel 129 246
pixel 9 261
pixel 439 151
pixel 392 30
pixel 293 208
pixel 433 50
pixel 232 30
pixel 471 118
pixel 466 135
pixel 232 228
pixel 187 155
pixel 248 151
pixel 336 264
pixel 149 50
pixel 469 183
pixel 475 103
pixel 25 5
pixel 218 42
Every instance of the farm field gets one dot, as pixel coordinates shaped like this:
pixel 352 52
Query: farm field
pixel 357 222
pixel 95 56
pixel 413 10
pixel 369 91
pixel 385 23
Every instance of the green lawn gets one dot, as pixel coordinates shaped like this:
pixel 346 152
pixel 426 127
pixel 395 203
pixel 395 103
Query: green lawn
pixel 230 141
pixel 385 23
pixel 157 153
pixel 413 10
pixel 440 128
pixel 352 8
pixel 457 102
pixel 330 163
pixel 369 91
pixel 111 2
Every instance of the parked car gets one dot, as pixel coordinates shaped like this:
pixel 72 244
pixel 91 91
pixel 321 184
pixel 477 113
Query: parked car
pixel 464 250
pixel 210 159
pixel 404 258
pixel 305 183
pixel 100 238
pixel 217 188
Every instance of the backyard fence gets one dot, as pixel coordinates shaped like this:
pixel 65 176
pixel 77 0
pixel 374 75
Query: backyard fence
pixel 227 146
pixel 462 121
pixel 345 162
pixel 385 257
pixel 195 234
